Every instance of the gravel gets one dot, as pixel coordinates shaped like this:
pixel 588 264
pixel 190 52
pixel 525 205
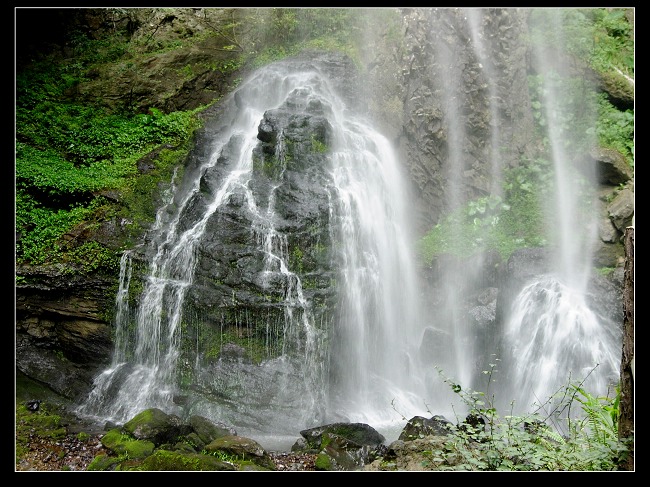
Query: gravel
pixel 72 454
pixel 68 454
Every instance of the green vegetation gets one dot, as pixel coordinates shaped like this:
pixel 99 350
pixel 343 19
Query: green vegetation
pixel 43 423
pixel 490 222
pixel 75 156
pixel 271 166
pixel 77 161
pixel 615 128
pixel 70 155
pixel 324 462
pixel 125 444
pixel 283 32
pixel 104 462
pixel 603 38
pixel 317 145
pixel 259 333
pixel 174 461
pixel 530 442
pixel 83 436
pixel 605 271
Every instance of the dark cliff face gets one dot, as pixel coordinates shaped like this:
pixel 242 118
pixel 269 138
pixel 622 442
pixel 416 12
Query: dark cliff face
pixel 434 84
pixel 290 166
pixel 448 88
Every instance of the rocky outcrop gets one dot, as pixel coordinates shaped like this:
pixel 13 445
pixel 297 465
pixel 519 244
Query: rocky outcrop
pixel 62 336
pixel 289 169
pixel 448 89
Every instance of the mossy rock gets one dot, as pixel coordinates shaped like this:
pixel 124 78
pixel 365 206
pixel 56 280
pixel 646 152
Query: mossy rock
pixel 324 462
pixel 157 426
pixel 123 444
pixel 182 461
pixel 241 450
pixel 207 431
pixel 103 463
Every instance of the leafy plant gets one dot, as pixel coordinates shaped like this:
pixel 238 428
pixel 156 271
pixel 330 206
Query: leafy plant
pixel 504 224
pixel 484 440
pixel 615 129
pixel 67 154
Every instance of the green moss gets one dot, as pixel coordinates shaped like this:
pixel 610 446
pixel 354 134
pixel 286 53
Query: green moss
pixel 83 436
pixel 269 165
pixel 146 421
pixel 43 423
pixel 605 271
pixel 104 462
pixel 295 260
pixel 124 444
pixel 491 223
pixel 324 462
pixel 258 331
pixel 177 461
pixel 317 145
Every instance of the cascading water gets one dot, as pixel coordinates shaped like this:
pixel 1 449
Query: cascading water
pixel 552 332
pixel 369 343
pixel 378 324
pixel 467 101
pixel 475 19
pixel 152 358
pixel 349 342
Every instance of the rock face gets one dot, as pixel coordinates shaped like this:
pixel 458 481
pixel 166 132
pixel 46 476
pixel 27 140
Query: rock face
pixel 440 83
pixel 62 338
pixel 290 167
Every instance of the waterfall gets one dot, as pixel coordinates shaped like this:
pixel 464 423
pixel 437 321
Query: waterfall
pixel 552 333
pixel 229 324
pixel 378 325
pixel 478 35
pixel 151 360
pixel 361 364
pixel 555 337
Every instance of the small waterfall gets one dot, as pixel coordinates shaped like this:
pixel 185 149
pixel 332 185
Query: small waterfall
pixel 552 331
pixel 466 102
pixel 144 372
pixel 478 34
pixel 460 354
pixel 122 317
pixel 553 335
